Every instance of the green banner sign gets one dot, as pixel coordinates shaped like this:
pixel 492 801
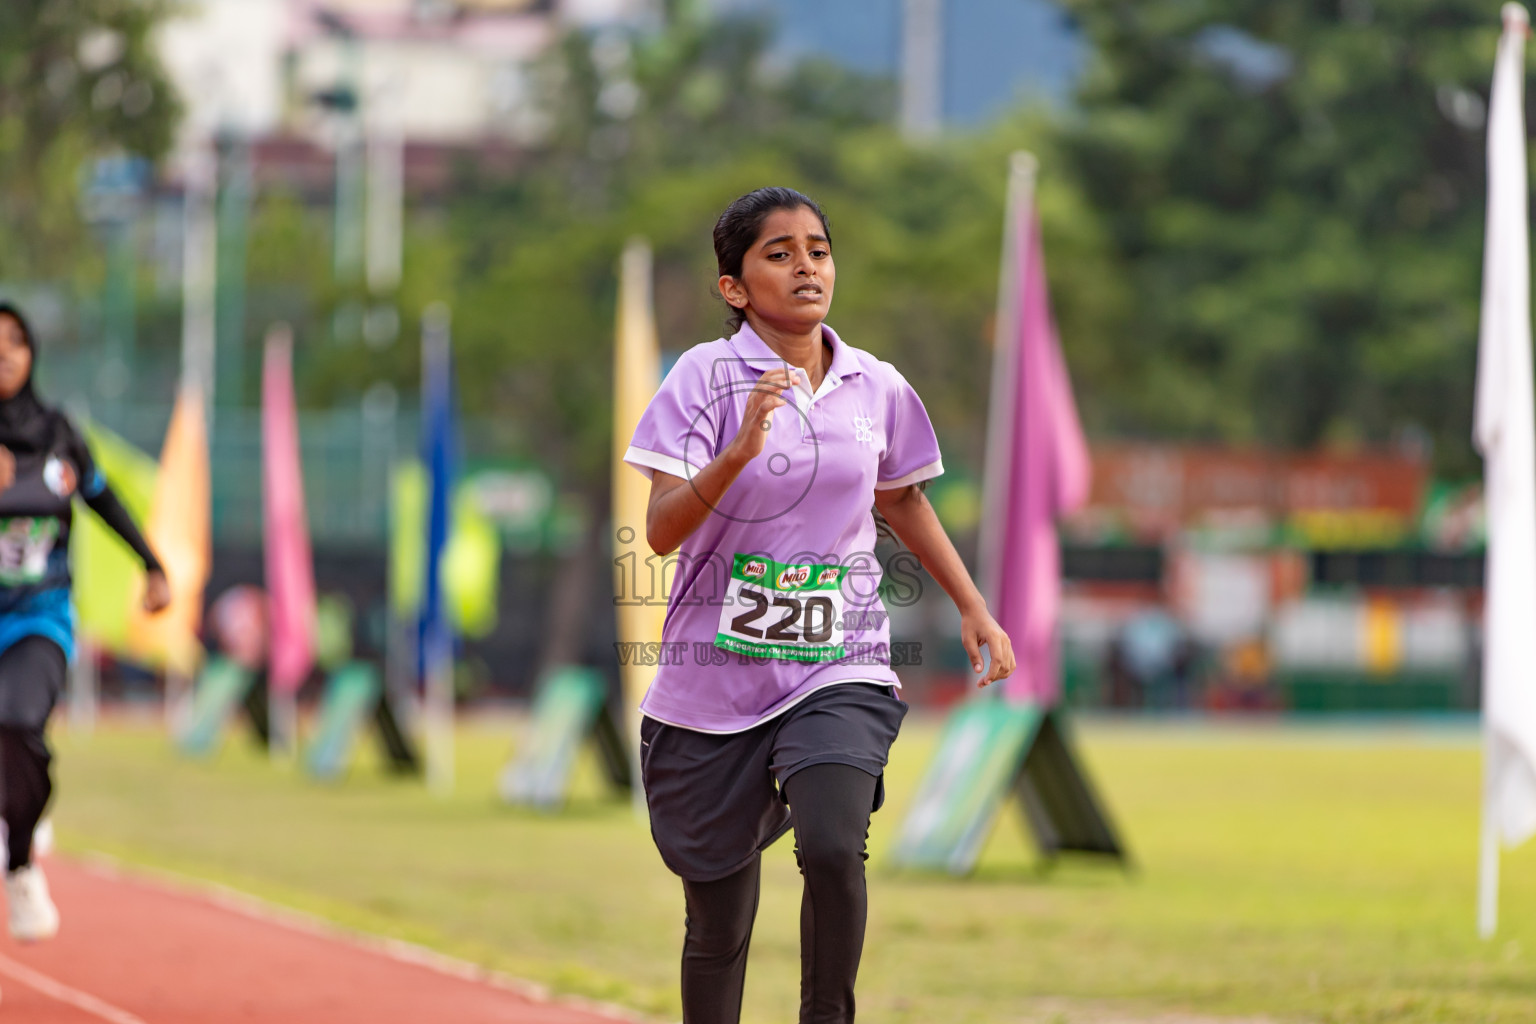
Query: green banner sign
pixel 221 689
pixel 565 713
pixel 350 702
pixel 988 750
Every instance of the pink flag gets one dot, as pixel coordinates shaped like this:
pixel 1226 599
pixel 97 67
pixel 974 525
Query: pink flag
pixel 290 569
pixel 1038 467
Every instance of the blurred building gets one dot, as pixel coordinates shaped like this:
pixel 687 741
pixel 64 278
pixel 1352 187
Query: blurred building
pixel 439 71
pixel 457 71
pixel 1305 580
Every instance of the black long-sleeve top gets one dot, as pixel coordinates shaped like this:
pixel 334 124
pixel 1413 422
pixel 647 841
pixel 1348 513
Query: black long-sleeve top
pixel 36 514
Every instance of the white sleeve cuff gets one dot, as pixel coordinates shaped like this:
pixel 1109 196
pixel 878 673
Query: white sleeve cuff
pixel 917 476
pixel 648 462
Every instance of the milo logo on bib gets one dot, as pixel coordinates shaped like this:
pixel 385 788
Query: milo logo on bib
pixel 773 610
pixel 789 579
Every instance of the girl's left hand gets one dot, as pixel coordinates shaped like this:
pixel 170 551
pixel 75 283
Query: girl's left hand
pixel 157 592
pixel 980 628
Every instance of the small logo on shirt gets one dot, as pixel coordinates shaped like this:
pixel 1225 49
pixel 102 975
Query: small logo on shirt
pixel 754 569
pixel 863 429
pixel 59 476
pixel 827 576
pixel 794 576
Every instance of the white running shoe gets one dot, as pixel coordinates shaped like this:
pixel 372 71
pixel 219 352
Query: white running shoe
pixel 33 915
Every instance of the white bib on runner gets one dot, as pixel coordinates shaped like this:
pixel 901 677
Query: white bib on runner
pixel 791 612
pixel 25 544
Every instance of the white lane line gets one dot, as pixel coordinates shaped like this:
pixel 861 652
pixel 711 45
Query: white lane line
pixel 64 994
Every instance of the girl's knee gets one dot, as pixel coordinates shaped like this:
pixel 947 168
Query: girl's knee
pixel 25 741
pixel 719 914
pixel 831 853
pixel 718 934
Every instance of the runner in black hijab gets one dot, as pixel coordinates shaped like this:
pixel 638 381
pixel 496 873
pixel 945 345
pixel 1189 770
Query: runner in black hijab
pixel 44 465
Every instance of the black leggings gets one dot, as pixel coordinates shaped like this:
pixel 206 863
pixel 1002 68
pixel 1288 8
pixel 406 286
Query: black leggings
pixel 829 805
pixel 31 680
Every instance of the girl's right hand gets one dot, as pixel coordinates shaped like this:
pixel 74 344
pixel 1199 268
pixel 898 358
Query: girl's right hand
pixel 766 396
pixel 7 468
pixel 157 591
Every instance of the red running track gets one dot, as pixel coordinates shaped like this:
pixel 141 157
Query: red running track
pixel 137 952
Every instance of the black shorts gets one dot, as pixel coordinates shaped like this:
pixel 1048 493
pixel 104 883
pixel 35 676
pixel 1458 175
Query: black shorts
pixel 716 800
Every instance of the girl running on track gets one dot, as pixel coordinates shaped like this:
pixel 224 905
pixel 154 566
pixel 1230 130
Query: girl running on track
pixel 44 463
pixel 767 451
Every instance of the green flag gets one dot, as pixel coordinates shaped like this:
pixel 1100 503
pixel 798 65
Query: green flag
pixel 106 572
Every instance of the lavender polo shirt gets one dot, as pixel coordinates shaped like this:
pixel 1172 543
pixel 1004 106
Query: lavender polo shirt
pixel 775 594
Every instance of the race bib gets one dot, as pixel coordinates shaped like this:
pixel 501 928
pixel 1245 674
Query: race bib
pixel 25 544
pixel 782 611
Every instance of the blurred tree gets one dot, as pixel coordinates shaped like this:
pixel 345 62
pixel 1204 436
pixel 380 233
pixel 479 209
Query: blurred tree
pixel 651 133
pixel 655 134
pixel 79 79
pixel 1296 192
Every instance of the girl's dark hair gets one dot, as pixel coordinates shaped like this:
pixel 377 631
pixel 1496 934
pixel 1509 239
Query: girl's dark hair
pixel 26 423
pixel 6 309
pixel 742 222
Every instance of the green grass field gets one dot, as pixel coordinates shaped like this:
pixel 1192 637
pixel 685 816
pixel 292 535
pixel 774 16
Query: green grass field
pixel 1294 873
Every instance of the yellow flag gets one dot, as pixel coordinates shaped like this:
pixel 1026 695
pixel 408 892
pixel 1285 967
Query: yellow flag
pixel 1383 637
pixel 638 596
pixel 471 561
pixel 471 565
pixel 179 533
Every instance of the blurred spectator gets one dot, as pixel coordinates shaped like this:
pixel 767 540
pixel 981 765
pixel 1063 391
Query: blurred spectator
pixel 1243 680
pixel 237 625
pixel 1151 662
pixel 1123 689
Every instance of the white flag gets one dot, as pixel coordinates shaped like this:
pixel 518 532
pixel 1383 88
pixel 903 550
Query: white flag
pixel 1505 434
